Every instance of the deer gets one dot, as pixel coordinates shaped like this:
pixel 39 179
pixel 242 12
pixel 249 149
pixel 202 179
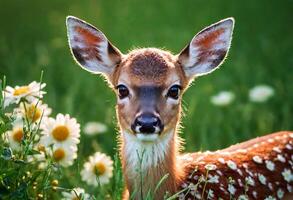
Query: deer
pixel 149 84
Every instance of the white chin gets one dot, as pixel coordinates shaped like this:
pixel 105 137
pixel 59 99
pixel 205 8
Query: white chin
pixel 147 137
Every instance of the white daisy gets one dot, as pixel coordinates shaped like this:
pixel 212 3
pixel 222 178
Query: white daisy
pixel 16 135
pixel 30 92
pixel 63 130
pixel 223 98
pixel 64 154
pixel 261 93
pixel 35 110
pixel 99 169
pixel 74 194
pixel 92 128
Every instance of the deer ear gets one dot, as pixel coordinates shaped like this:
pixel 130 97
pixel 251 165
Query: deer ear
pixel 208 49
pixel 90 47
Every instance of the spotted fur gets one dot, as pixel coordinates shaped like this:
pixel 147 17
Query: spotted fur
pixel 255 169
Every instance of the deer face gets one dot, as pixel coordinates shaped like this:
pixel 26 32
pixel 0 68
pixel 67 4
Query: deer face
pixel 149 82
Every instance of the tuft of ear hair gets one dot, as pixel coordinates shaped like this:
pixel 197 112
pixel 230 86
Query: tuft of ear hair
pixel 90 47
pixel 207 50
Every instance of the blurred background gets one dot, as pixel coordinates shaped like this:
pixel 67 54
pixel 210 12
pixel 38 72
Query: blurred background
pixel 33 38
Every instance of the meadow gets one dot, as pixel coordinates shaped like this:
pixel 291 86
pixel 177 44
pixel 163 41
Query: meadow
pixel 33 39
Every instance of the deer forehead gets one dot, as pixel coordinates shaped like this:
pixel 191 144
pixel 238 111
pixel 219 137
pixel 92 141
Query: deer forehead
pixel 148 66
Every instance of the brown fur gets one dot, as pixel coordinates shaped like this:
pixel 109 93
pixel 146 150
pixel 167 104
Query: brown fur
pixel 89 38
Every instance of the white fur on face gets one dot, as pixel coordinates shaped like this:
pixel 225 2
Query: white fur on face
pixel 147 137
pixel 151 149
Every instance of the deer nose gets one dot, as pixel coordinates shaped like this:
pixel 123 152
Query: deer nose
pixel 147 123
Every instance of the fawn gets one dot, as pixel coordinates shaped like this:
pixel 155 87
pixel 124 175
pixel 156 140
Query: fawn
pixel 149 84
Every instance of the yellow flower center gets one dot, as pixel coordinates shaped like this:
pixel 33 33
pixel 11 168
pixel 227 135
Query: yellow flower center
pixel 33 113
pixel 58 154
pixel 60 133
pixel 18 135
pixel 99 169
pixel 21 90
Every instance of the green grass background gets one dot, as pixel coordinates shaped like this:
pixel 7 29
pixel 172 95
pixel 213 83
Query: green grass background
pixel 33 38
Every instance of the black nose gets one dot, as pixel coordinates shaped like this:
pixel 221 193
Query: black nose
pixel 147 123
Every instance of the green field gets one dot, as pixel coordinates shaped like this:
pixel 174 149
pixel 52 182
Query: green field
pixel 33 38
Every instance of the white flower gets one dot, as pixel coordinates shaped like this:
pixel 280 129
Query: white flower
pixel 223 98
pixel 30 92
pixel 63 130
pixel 34 111
pixel 98 170
pixel 76 193
pixel 15 136
pixel 64 154
pixel 92 128
pixel 261 93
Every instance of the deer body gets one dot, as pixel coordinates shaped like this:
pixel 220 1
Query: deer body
pixel 149 84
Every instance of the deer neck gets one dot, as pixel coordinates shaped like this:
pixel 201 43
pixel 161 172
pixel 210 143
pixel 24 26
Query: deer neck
pixel 145 164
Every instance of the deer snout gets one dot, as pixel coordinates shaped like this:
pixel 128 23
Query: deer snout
pixel 147 124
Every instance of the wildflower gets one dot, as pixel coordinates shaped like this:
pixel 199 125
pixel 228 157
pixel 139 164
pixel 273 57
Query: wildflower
pixel 35 110
pixel 261 93
pixel 63 130
pixel 223 98
pixel 92 128
pixel 64 154
pixel 76 193
pixel 30 92
pixel 98 170
pixel 16 135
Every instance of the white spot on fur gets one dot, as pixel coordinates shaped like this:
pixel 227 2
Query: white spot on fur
pixel 280 193
pixel 288 146
pixel 254 193
pixel 213 179
pixel 219 172
pixel 257 159
pixel 232 165
pixel 231 189
pixel 262 179
pixel 221 160
pixel 270 140
pixel 289 188
pixel 249 180
pixel 287 175
pixel 270 198
pixel 270 186
pixel 277 149
pixel 270 165
pixel 239 172
pixel 281 158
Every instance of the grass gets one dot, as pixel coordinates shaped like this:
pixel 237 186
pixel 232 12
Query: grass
pixel 33 38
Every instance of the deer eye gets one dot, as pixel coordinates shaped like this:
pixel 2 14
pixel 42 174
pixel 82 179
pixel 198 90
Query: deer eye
pixel 122 91
pixel 174 92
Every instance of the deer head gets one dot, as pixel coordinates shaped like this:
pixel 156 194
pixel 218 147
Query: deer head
pixel 149 82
